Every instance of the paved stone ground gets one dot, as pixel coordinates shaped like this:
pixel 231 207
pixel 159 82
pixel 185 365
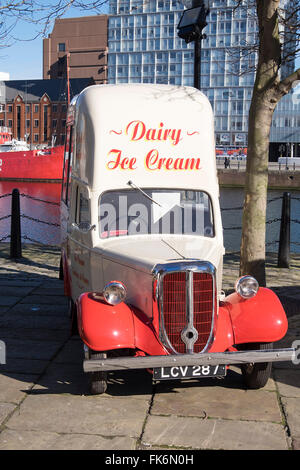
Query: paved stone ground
pixel 44 400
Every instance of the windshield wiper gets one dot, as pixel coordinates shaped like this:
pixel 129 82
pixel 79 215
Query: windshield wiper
pixel 130 183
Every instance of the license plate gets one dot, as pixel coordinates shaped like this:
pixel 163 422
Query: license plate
pixel 188 372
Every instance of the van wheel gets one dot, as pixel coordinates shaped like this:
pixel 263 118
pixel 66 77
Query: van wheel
pixel 73 317
pixel 98 380
pixel 257 374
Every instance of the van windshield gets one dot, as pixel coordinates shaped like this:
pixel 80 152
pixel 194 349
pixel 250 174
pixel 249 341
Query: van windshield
pixel 130 212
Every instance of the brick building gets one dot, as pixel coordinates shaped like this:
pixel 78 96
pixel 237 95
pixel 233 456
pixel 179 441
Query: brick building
pixel 79 44
pixel 35 110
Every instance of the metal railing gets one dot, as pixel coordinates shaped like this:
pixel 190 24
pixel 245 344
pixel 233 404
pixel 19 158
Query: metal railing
pixel 284 242
pixel 240 165
pixel 16 216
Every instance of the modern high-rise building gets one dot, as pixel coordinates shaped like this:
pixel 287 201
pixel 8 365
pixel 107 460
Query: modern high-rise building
pixel 143 47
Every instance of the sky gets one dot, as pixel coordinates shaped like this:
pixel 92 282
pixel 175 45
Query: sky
pixel 24 59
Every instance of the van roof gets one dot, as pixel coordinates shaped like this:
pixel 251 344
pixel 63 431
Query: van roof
pixel 154 135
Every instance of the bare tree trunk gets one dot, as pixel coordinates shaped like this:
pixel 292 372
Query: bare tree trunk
pixel 254 214
pixel 260 118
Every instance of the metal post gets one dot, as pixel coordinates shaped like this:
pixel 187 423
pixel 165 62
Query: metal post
pixel 15 230
pixel 197 64
pixel 197 54
pixel 284 240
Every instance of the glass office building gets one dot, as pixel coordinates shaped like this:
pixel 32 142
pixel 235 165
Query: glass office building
pixel 143 47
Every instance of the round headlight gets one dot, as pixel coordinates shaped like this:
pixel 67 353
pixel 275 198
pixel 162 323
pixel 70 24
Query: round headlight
pixel 114 293
pixel 246 287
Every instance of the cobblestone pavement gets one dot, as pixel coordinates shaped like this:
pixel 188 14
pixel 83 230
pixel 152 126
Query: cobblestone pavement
pixel 44 399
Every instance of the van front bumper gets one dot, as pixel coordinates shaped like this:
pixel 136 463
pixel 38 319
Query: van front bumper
pixel 227 358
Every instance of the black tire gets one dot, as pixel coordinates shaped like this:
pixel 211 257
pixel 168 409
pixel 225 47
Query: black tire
pixel 98 380
pixel 257 375
pixel 73 317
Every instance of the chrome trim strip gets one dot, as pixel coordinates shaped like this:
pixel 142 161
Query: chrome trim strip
pixel 189 266
pixel 149 362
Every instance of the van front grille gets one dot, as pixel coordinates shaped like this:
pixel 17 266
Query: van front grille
pixel 187 309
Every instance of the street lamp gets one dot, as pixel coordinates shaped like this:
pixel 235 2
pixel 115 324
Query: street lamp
pixel 190 26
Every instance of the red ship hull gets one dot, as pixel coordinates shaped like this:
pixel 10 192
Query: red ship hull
pixel 32 165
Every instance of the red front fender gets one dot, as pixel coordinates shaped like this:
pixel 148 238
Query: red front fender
pixel 261 319
pixel 105 327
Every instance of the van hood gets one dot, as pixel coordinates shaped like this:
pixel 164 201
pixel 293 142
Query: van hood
pixel 143 253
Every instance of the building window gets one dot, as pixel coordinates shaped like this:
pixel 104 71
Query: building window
pixel 1 123
pixel 61 47
pixel 10 123
pixel 27 109
pixel 36 123
pixel 10 109
pixel 54 123
pixel 36 108
pixel 27 123
pixel 54 108
pixel 36 137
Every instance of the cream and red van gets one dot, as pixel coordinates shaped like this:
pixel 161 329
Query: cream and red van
pixel 142 242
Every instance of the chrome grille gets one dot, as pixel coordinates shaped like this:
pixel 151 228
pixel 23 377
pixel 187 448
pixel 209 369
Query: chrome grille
pixel 186 298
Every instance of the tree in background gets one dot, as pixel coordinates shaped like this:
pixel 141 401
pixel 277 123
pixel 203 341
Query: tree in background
pixel 278 46
pixel 40 13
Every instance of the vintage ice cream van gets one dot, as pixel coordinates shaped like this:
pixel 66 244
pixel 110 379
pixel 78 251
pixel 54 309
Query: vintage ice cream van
pixel 142 242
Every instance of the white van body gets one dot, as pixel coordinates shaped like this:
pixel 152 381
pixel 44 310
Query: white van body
pixel 142 241
pixel 163 138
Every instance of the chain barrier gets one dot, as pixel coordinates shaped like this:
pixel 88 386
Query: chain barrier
pixel 24 216
pixel 5 217
pixel 39 220
pixel 25 237
pixel 58 225
pixel 39 200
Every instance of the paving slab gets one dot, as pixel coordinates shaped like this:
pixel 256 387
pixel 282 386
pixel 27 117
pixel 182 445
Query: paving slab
pixel 296 443
pixel 48 291
pixel 195 433
pixel 28 349
pixel 8 300
pixel 217 402
pixel 292 413
pixel 5 410
pixel 44 393
pixel 13 387
pixel 45 299
pixel 288 382
pixel 16 291
pixel 23 366
pixel 81 414
pixel 33 321
pixel 55 310
pixel 11 439
pixel 35 334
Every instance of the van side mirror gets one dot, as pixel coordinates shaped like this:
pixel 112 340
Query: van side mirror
pixel 83 227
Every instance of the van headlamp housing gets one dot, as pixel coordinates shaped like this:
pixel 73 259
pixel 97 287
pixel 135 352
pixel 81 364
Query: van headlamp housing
pixel 246 287
pixel 114 293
